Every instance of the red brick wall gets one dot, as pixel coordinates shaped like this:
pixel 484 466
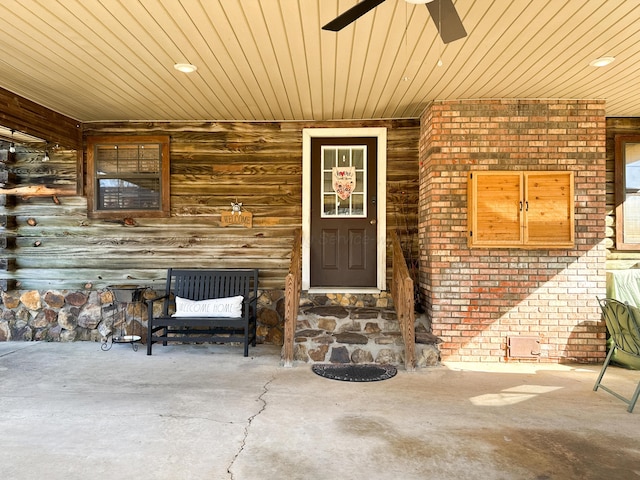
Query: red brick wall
pixel 478 298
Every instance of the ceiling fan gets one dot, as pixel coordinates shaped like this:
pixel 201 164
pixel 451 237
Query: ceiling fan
pixel 443 13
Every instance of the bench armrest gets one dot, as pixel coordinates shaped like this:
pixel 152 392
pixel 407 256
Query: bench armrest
pixel 151 300
pixel 150 303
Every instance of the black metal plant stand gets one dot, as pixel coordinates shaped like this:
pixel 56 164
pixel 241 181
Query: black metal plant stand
pixel 123 296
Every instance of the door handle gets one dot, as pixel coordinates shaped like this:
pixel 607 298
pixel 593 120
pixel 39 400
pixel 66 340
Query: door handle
pixel 372 222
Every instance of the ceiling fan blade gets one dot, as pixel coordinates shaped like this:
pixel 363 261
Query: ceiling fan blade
pixel 447 20
pixel 351 15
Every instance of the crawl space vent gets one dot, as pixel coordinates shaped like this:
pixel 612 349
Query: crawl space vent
pixel 523 347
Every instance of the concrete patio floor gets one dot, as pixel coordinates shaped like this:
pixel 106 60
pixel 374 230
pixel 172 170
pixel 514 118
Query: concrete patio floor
pixel 72 411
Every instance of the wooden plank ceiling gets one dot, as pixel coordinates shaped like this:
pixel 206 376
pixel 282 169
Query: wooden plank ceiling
pixel 97 60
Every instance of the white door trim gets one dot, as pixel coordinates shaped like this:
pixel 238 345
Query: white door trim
pixel 381 201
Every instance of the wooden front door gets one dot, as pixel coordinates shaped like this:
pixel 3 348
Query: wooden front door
pixel 343 241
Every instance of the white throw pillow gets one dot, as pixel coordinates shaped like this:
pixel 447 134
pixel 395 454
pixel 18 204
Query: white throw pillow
pixel 228 307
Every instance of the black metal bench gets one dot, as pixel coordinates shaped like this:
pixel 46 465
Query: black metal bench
pixel 216 317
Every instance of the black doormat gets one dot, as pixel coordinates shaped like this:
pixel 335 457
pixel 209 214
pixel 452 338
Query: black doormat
pixel 350 372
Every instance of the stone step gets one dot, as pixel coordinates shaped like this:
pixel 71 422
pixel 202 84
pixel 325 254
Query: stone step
pixel 339 334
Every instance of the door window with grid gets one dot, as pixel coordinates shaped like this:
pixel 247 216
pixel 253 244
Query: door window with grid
pixel 344 181
pixel 129 176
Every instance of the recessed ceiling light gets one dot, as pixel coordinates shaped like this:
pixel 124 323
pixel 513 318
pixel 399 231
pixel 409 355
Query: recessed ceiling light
pixel 185 67
pixel 602 61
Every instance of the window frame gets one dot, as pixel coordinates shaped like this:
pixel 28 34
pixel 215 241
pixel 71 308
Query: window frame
pixel 620 189
pixel 163 176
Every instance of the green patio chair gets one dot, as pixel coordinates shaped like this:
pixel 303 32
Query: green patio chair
pixel 625 343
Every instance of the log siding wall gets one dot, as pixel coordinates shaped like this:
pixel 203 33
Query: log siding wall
pixel 212 165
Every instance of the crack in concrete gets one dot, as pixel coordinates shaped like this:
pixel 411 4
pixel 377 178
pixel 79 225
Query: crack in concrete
pixel 243 443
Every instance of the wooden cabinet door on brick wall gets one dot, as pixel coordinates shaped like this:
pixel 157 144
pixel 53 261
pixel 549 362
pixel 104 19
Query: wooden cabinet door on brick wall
pixel 549 209
pixel 520 209
pixel 494 208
